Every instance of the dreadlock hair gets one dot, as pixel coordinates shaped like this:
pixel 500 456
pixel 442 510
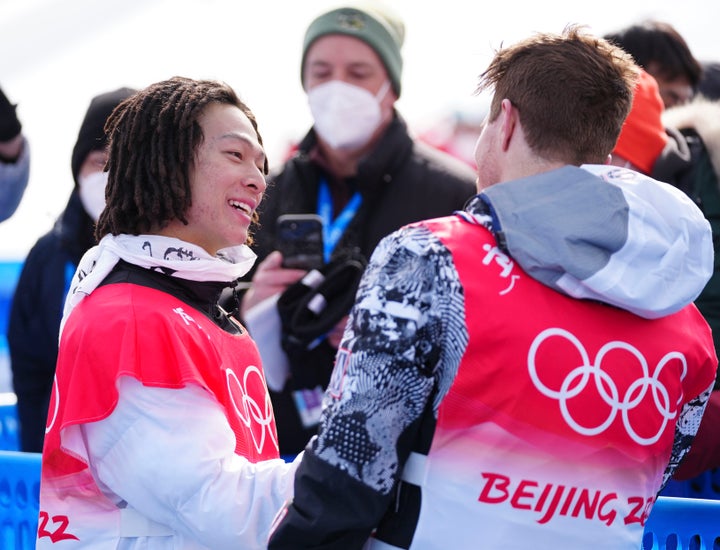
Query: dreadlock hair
pixel 153 139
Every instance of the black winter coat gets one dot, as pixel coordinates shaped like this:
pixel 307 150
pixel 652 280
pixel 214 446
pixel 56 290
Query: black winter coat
pixel 401 181
pixel 35 314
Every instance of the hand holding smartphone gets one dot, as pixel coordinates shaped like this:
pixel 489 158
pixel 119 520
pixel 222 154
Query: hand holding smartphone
pixel 299 238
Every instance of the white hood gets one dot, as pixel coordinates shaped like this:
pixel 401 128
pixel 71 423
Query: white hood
pixel 604 233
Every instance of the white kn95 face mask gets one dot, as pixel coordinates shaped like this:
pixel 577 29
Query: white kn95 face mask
pixel 345 115
pixel 92 193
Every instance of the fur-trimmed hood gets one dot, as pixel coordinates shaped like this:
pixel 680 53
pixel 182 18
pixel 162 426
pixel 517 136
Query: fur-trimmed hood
pixel 702 115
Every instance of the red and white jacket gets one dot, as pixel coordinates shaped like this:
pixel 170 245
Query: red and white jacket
pixel 163 436
pixel 508 379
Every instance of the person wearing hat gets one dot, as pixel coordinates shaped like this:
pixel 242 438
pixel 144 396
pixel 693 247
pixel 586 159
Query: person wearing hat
pixel 14 159
pixel 37 304
pixel 360 170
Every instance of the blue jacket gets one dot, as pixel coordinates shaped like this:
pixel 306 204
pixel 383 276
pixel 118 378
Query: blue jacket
pixel 35 315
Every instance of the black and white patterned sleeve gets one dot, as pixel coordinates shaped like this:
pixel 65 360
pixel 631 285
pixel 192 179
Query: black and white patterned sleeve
pixel 400 352
pixel 685 430
pixel 401 347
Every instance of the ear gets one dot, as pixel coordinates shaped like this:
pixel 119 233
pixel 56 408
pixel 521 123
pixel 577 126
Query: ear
pixel 510 122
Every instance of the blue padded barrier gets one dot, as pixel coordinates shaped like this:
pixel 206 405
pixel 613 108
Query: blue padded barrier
pixel 683 523
pixel 674 523
pixel 705 485
pixel 19 499
pixel 9 438
pixel 9 274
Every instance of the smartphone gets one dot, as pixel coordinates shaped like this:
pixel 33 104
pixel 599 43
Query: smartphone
pixel 299 237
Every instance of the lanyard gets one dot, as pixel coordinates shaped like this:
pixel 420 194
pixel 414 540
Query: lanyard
pixel 333 229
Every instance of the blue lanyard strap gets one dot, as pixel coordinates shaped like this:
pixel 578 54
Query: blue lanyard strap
pixel 333 229
pixel 70 268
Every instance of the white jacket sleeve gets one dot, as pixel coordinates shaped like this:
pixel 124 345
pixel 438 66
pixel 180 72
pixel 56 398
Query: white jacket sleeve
pixel 169 454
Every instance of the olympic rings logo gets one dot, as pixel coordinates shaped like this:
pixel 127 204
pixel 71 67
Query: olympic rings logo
pixel 578 379
pixel 249 411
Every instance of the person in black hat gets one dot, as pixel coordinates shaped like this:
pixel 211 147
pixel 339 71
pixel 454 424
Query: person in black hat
pixel 38 300
pixel 14 159
pixel 359 169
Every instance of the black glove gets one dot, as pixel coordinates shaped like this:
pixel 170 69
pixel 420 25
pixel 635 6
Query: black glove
pixel 309 312
pixel 9 124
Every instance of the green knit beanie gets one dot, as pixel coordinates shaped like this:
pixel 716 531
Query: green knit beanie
pixel 381 31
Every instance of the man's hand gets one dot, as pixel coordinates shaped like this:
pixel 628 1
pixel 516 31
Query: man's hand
pixel 269 279
pixel 334 337
pixel 10 150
